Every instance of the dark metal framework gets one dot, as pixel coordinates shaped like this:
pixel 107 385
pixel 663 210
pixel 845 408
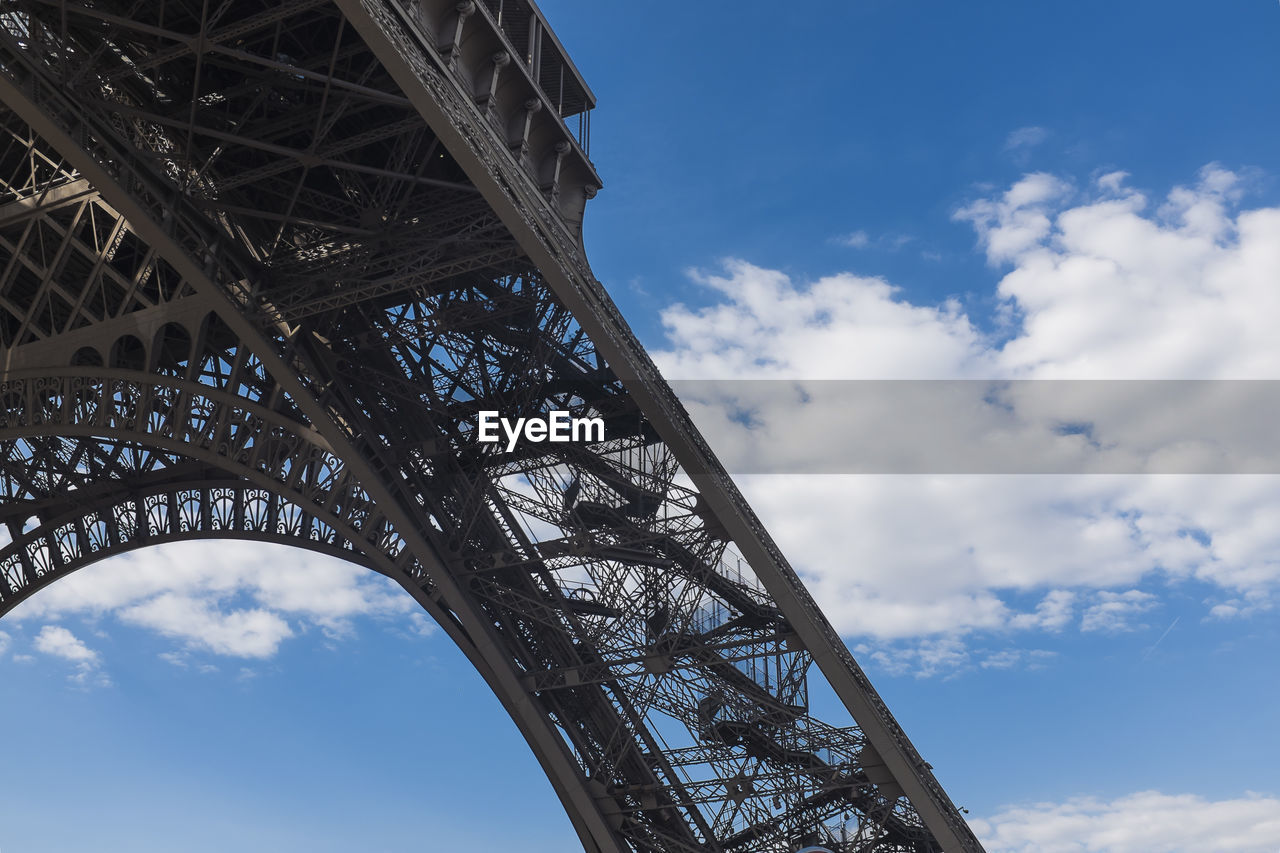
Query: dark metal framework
pixel 261 264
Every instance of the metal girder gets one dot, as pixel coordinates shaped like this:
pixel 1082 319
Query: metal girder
pixel 289 159
pixel 402 44
pixel 326 240
pixel 200 251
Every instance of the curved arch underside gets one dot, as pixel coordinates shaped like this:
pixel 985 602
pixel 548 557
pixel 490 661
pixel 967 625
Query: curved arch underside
pixel 191 502
pixel 163 458
pixel 262 263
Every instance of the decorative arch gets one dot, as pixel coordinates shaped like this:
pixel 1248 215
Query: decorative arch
pixel 172 509
pixel 107 460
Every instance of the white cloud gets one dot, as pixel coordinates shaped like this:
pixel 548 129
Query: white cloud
pixel 5 640
pixel 1242 607
pixel 1099 283
pixel 1109 289
pixel 840 327
pixel 1145 822
pixel 231 598
pixel 422 626
pixel 1054 612
pixel 1010 658
pixel 856 240
pixel 1019 221
pixel 946 656
pixel 1025 137
pixel 1113 611
pixel 59 642
pixel 251 633
pixel 926 555
pixel 862 240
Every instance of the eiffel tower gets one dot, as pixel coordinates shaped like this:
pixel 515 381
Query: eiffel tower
pixel 265 263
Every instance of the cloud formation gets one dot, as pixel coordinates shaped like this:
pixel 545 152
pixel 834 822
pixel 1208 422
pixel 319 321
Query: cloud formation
pixel 231 598
pixel 1145 822
pixel 1025 138
pixel 59 642
pixel 860 239
pixel 1097 282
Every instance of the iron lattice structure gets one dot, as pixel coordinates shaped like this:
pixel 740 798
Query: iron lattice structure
pixel 263 263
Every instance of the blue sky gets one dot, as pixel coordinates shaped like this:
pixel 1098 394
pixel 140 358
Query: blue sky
pixel 1079 657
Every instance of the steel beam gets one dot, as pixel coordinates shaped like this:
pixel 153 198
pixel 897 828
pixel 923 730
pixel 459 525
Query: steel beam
pixel 353 229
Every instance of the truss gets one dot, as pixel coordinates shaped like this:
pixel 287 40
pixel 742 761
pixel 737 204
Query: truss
pixel 260 267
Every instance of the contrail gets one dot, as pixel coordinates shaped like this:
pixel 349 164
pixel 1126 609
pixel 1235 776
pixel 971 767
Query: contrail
pixel 1162 636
